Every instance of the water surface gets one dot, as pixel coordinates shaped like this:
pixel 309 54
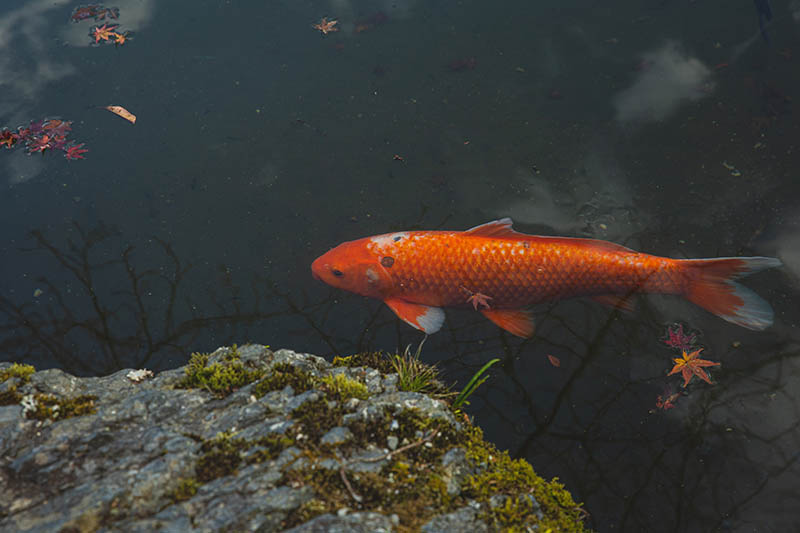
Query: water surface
pixel 261 143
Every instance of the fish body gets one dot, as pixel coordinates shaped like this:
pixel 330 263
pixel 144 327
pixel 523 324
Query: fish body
pixel 501 272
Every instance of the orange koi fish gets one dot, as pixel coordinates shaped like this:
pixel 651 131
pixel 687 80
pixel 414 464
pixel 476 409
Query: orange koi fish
pixel 500 272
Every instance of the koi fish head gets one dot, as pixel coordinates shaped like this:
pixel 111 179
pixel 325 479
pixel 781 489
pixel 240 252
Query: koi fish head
pixel 353 267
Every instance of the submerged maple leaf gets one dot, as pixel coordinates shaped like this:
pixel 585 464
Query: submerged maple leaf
pixel 690 365
pixel 676 338
pixel 75 151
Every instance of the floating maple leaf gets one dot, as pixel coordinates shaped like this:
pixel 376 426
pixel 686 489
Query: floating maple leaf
pixel 326 26
pixel 121 38
pixel 676 338
pixel 58 142
pixel 103 33
pixel 8 138
pixel 55 126
pixel 75 151
pixel 35 127
pixel 690 365
pixel 39 143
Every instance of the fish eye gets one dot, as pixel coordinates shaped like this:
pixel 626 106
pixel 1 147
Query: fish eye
pixel 338 273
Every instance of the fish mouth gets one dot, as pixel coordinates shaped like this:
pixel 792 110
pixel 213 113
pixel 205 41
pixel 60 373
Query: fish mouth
pixel 316 268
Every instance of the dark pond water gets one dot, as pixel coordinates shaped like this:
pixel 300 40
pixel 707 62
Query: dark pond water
pixel 667 126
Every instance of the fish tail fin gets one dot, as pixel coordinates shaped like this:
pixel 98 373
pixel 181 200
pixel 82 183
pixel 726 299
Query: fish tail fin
pixel 713 287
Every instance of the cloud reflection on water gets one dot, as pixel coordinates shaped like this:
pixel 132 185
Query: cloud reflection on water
pixel 668 78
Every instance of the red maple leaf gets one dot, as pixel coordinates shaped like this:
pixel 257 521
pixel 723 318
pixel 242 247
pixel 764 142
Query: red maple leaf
pixel 55 126
pixel 8 138
pixel 676 338
pixel 75 151
pixel 39 143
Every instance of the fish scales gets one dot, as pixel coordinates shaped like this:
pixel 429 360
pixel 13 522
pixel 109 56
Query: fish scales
pixel 447 267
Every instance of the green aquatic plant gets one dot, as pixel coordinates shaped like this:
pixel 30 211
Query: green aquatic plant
pixel 473 384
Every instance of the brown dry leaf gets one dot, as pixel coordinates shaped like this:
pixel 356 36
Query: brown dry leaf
pixel 555 361
pixel 122 112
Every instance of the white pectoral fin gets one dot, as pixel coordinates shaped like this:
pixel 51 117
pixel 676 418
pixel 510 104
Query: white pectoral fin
pixel 423 317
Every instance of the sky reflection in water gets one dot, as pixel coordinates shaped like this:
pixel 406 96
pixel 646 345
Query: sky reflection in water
pixel 260 144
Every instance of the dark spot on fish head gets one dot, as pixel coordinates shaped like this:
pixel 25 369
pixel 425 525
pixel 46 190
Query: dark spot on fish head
pixel 397 238
pixel 387 261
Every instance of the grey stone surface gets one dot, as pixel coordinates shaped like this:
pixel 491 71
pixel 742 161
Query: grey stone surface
pixel 120 468
pixel 464 519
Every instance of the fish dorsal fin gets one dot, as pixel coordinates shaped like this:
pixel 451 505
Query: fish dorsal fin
pixel 495 228
pixel 423 317
pixel 518 322
pixel 592 244
pixel 502 229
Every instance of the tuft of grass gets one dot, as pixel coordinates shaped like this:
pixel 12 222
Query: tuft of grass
pixel 413 375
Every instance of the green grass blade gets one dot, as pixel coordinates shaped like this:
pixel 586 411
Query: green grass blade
pixel 473 384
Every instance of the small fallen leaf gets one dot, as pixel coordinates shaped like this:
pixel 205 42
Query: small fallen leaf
pixel 122 112
pixel 555 361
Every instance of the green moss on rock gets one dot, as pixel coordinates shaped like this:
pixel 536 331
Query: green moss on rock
pixel 380 361
pixel 221 457
pixel 284 375
pixel 50 407
pixel 412 482
pixel 516 478
pixel 340 388
pixel 18 375
pixel 220 378
pixel 21 372
pixel 185 490
pixel 317 417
